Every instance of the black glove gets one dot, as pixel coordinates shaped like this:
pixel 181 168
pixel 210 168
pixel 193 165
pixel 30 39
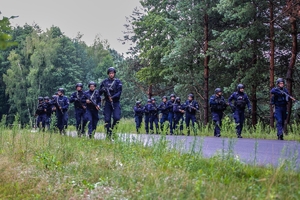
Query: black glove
pixel 250 111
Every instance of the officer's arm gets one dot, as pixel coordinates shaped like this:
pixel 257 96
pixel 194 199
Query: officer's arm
pixel 230 100
pixel 66 104
pixel 99 99
pixel 248 102
pixel 101 89
pixel 276 91
pixel 196 105
pixel 175 108
pixel 72 98
pixel 212 101
pixel 119 91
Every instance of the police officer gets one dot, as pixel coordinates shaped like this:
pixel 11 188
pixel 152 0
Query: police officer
pixel 164 110
pixel 93 101
pixel 147 109
pixel 48 109
pixel 241 100
pixel 112 90
pixel 80 108
pixel 171 112
pixel 217 105
pixel 280 97
pixel 191 107
pixel 178 109
pixel 61 104
pixel 154 116
pixel 138 115
pixel 40 113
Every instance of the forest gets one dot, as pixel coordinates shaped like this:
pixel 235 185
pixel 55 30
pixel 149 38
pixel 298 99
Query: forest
pixel 181 47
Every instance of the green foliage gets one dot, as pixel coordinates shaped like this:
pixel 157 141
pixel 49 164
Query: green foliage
pixel 51 166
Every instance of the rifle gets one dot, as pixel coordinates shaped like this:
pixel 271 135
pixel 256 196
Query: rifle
pixel 59 106
pixel 110 99
pixel 289 96
pixel 93 102
pixel 79 100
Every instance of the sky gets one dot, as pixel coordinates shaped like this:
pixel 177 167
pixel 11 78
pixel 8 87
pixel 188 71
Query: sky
pixel 89 17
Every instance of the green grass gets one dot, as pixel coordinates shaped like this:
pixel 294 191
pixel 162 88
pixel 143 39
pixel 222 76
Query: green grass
pixel 45 165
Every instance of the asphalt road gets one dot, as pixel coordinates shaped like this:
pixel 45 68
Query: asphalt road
pixel 251 151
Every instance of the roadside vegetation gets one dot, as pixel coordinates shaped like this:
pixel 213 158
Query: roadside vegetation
pixel 46 165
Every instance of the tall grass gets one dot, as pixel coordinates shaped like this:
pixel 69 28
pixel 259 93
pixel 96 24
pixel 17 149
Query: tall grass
pixel 45 165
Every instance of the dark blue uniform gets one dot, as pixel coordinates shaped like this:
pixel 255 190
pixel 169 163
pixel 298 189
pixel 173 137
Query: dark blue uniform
pixel 154 118
pixel 112 109
pixel 280 100
pixel 48 107
pixel 178 110
pixel 191 107
pixel 217 106
pixel 62 105
pixel 147 109
pixel 171 115
pixel 80 110
pixel 138 116
pixel 41 115
pixel 92 115
pixel 241 100
pixel 164 110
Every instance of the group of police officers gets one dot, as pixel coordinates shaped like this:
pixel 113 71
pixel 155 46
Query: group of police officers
pixel 175 112
pixel 87 104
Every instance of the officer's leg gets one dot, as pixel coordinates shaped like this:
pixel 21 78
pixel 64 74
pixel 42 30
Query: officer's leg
pixel 156 124
pixel 78 120
pixel 136 119
pixel 107 118
pixel 242 120
pixel 147 124
pixel 279 122
pixel 171 122
pixel 187 123
pixel 84 121
pixel 90 120
pixel 151 123
pixel 181 124
pixel 216 120
pixel 60 122
pixel 193 118
pixel 95 115
pixel 116 114
pixel 175 122
pixel 237 122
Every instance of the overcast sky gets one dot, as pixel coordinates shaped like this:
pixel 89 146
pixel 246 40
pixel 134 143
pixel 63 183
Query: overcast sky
pixel 89 17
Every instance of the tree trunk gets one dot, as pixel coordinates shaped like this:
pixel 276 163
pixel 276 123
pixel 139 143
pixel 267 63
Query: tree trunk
pixel 206 69
pixel 254 105
pixel 290 71
pixel 272 63
pixel 150 91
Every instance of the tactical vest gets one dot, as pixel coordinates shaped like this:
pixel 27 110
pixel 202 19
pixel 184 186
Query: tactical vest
pixel 219 106
pixel 240 102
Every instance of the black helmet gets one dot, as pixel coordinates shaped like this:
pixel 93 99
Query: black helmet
pixel 172 95
pixel 165 97
pixel 40 98
pixel 62 90
pixel 53 96
pixel 149 100
pixel 153 99
pixel 79 85
pixel 240 86
pixel 217 90
pixel 177 99
pixel 279 80
pixel 56 93
pixel 92 83
pixel 46 98
pixel 191 95
pixel 138 102
pixel 111 69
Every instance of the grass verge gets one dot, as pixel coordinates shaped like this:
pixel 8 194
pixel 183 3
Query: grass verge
pixel 45 165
